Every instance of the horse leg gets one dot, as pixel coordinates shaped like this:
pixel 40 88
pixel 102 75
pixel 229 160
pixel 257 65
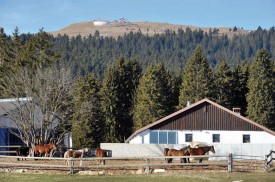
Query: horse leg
pixel 17 153
pixel 170 160
pixel 184 160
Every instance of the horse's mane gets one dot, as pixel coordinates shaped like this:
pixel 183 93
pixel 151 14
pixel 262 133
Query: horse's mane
pixel 206 148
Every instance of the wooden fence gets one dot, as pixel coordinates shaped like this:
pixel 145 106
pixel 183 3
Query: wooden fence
pixel 147 162
pixel 14 147
pixel 268 160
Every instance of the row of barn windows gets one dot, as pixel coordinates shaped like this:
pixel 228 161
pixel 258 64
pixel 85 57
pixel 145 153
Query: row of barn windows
pixel 170 137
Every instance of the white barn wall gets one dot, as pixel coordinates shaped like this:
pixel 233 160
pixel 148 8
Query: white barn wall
pixel 239 151
pixel 226 137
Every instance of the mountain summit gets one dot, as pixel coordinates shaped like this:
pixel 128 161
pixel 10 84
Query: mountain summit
pixel 122 26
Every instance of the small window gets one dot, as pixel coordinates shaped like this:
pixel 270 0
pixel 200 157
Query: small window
pixel 216 138
pixel 188 137
pixel 246 138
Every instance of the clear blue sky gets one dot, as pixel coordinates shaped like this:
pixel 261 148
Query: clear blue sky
pixel 31 15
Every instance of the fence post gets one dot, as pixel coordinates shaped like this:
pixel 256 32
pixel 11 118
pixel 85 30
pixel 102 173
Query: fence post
pixel 71 163
pixel 147 169
pixel 266 163
pixel 230 163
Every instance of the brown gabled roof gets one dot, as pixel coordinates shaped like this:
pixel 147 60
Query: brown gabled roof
pixel 194 105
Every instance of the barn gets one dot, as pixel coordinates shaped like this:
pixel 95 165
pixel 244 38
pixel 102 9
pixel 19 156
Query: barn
pixel 7 124
pixel 204 121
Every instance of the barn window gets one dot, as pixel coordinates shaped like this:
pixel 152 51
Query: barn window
pixel 154 135
pixel 246 138
pixel 172 137
pixel 163 137
pixel 188 137
pixel 216 138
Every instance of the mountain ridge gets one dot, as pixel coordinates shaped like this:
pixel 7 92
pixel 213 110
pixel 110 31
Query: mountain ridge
pixel 119 28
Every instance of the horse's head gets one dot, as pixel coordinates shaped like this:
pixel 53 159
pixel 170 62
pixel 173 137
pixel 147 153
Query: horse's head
pixel 52 146
pixel 188 148
pixel 166 151
pixel 212 149
pixel 87 150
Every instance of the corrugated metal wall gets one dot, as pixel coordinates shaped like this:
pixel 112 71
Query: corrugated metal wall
pixel 206 117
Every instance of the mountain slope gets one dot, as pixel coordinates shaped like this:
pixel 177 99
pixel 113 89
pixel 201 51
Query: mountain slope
pixel 116 29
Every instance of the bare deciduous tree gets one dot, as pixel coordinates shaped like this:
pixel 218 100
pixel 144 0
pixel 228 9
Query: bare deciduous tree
pixel 43 116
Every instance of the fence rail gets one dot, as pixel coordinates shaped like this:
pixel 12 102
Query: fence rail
pixel 146 162
pixel 9 151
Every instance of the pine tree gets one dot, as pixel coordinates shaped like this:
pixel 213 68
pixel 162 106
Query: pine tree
pixel 118 91
pixel 87 122
pixel 10 59
pixel 261 85
pixel 154 98
pixel 240 78
pixel 16 54
pixel 223 85
pixel 197 79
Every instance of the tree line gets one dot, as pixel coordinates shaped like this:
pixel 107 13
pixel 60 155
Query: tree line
pixel 110 107
pixel 173 48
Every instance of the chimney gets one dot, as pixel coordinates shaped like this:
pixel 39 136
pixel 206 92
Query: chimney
pixel 188 103
pixel 237 110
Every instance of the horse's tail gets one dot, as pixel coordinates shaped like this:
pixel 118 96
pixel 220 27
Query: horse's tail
pixel 66 156
pixel 166 151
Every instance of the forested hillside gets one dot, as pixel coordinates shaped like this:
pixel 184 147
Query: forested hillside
pixel 105 88
pixel 94 53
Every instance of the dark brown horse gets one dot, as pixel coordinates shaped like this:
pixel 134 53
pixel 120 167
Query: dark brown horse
pixel 44 149
pixel 101 153
pixel 77 154
pixel 174 152
pixel 22 151
pixel 200 151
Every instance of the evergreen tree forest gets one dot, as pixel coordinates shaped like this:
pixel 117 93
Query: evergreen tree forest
pixel 123 84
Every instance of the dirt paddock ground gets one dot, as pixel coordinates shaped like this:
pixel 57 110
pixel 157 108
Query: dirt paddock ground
pixel 238 166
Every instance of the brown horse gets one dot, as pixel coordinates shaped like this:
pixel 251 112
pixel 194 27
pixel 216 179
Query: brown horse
pixel 174 152
pixel 44 149
pixel 101 153
pixel 76 154
pixel 200 151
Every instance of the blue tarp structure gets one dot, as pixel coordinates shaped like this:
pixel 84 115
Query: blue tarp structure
pixel 8 139
pixel 4 138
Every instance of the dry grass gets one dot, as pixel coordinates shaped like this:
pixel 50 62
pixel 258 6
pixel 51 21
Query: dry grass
pixel 119 29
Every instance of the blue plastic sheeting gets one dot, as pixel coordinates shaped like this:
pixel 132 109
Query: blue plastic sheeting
pixel 4 136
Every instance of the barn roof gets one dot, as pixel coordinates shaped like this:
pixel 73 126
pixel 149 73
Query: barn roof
pixel 7 105
pixel 201 102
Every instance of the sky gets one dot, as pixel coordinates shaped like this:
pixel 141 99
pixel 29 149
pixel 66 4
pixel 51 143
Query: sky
pixel 51 15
